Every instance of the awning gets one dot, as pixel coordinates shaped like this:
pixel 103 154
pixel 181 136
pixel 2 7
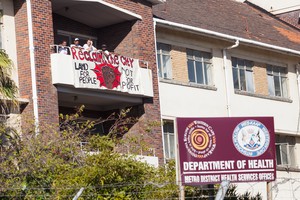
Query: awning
pixel 94 13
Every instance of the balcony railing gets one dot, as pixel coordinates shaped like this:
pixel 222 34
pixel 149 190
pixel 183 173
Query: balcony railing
pixel 100 70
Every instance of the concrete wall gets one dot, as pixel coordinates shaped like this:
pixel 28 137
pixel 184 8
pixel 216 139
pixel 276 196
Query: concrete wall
pixel 8 34
pixel 211 100
pixel 182 99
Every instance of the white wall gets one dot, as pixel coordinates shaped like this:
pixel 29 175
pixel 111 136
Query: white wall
pixel 186 101
pixel 179 100
pixel 286 114
pixel 9 34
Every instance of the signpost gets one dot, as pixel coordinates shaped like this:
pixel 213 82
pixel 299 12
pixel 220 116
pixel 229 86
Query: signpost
pixel 238 149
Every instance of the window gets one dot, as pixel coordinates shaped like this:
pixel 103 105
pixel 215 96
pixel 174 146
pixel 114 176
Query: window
pixel 285 151
pixel 70 37
pixel 277 81
pixel 285 154
pixel 164 61
pixel 242 74
pixel 199 67
pixel 169 139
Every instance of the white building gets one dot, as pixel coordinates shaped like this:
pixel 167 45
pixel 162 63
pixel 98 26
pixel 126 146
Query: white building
pixel 277 6
pixel 226 59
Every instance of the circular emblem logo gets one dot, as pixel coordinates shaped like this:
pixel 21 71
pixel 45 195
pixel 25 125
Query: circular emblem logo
pixel 199 139
pixel 251 138
pixel 108 75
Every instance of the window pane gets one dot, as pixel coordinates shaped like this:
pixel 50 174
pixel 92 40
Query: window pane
pixel 284 87
pixel 169 143
pixel 206 56
pixel 159 65
pixel 249 80
pixel 284 154
pixel 269 69
pixel 291 149
pixel 166 143
pixel 207 73
pixel 167 71
pixel 199 66
pixel 278 155
pixel 189 53
pixel 276 70
pixel 235 78
pixel 242 80
pixel 191 71
pixel 168 127
pixel 249 64
pixel 241 63
pixel 234 62
pixel 197 55
pixel 165 48
pixel 172 146
pixel 283 71
pixel 277 86
pixel 164 60
pixel 271 86
pixel 199 73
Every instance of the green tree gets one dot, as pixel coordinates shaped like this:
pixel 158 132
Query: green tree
pixel 8 92
pixel 8 88
pixel 55 165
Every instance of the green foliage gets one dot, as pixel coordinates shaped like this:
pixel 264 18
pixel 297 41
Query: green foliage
pixel 8 88
pixel 55 164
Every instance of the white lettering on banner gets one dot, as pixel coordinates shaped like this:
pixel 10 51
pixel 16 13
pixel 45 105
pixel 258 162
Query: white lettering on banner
pixel 266 176
pixel 258 164
pixel 217 178
pixel 229 177
pixel 98 71
pixel 191 179
pixel 210 178
pixel 248 177
pixel 208 165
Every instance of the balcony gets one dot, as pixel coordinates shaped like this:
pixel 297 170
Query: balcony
pixel 88 11
pixel 98 80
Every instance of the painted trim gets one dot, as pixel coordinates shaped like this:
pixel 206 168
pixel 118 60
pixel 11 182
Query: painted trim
pixel 32 67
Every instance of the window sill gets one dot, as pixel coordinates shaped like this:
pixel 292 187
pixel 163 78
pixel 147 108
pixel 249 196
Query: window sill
pixel 263 96
pixel 287 168
pixel 194 85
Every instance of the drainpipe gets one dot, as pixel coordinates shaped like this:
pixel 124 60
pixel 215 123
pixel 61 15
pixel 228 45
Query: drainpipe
pixel 226 70
pixel 32 66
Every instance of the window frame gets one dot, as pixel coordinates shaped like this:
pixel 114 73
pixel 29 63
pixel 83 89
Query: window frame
pixel 290 157
pixel 167 144
pixel 205 63
pixel 72 35
pixel 160 61
pixel 248 86
pixel 281 74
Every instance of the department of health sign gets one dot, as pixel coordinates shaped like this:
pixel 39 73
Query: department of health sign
pixel 239 149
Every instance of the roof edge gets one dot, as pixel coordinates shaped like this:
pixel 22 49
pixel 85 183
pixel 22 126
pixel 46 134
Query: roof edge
pixel 226 36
